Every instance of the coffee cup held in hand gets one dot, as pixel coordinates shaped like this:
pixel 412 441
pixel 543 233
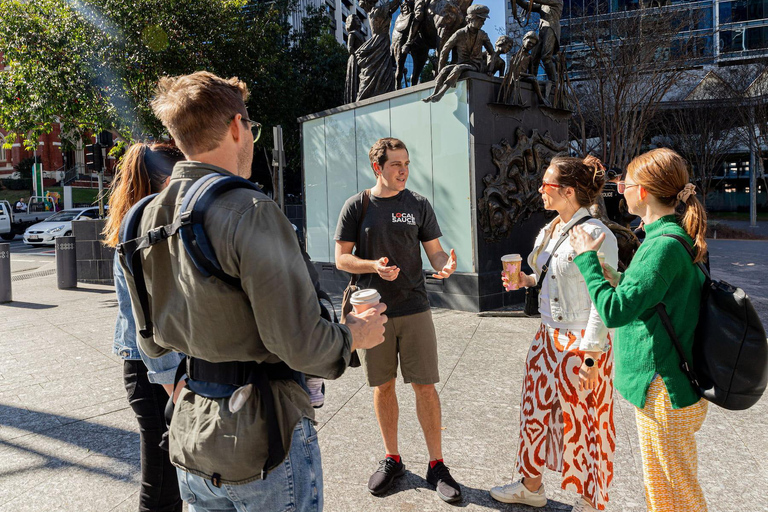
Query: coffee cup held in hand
pixel 601 257
pixel 510 265
pixel 364 299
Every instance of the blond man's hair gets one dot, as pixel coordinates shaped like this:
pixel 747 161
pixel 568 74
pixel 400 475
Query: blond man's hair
pixel 196 109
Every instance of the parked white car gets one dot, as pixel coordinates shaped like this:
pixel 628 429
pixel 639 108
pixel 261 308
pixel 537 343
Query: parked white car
pixel 59 224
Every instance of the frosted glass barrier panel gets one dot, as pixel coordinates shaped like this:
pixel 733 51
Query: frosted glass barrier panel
pixel 372 124
pixel 316 200
pixel 451 174
pixel 341 167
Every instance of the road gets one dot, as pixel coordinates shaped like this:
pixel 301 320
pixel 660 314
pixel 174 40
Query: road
pixel 25 258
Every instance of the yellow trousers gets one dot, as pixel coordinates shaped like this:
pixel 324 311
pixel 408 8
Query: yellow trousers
pixel 668 446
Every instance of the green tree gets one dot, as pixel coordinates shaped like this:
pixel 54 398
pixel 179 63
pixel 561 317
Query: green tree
pixel 93 65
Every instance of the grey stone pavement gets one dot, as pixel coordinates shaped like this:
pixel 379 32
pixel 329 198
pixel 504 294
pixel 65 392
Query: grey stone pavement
pixel 69 442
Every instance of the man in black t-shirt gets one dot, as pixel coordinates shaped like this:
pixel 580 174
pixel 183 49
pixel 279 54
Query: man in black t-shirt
pixel 388 259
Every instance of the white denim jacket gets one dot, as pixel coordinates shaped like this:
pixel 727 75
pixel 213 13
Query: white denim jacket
pixel 569 301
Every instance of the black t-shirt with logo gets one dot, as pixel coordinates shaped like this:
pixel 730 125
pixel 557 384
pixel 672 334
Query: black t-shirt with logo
pixel 393 227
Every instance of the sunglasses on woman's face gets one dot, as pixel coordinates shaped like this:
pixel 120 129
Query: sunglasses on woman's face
pixel 622 186
pixel 546 185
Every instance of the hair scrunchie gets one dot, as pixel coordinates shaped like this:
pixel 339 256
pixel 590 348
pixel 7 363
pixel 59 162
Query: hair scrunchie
pixel 688 190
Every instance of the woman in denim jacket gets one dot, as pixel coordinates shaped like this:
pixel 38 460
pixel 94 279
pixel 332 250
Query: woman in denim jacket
pixel 144 170
pixel 566 412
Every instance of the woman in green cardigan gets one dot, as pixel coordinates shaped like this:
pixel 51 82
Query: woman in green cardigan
pixel 648 372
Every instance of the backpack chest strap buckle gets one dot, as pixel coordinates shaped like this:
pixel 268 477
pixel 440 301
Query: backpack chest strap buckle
pixel 157 234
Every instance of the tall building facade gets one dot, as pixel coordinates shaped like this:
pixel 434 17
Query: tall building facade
pixel 337 11
pixel 720 32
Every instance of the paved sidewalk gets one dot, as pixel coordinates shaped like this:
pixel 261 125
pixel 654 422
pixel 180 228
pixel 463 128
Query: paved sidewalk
pixel 68 440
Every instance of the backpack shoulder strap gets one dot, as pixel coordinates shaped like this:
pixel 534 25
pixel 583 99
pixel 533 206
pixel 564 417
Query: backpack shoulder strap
pixel 661 310
pixel 691 253
pixel 130 253
pixel 366 198
pixel 196 243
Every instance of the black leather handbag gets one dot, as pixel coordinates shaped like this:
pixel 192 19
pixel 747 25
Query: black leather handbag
pixel 531 307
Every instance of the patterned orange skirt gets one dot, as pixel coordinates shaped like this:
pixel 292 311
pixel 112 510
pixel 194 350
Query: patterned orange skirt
pixel 561 427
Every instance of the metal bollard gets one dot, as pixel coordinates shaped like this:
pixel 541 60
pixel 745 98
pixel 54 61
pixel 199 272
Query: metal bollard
pixel 66 262
pixel 6 294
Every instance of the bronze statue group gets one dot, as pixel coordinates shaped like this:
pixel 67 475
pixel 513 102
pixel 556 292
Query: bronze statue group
pixel 453 30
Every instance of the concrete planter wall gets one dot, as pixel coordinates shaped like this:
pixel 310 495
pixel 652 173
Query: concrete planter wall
pixel 94 260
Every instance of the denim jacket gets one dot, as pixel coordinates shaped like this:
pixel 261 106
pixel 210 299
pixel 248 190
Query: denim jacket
pixel 569 301
pixel 161 370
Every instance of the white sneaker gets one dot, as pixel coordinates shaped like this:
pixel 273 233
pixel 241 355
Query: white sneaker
pixel 516 492
pixel 583 506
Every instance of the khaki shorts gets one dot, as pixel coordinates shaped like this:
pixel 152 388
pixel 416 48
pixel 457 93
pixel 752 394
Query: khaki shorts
pixel 410 338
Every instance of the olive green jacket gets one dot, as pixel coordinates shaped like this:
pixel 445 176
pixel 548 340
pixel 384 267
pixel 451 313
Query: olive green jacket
pixel 276 317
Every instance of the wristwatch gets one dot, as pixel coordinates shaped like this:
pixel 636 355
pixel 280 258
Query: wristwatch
pixel 589 362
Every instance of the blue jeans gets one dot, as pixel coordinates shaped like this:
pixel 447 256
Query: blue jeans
pixel 295 485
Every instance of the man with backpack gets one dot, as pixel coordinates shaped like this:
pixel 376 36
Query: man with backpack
pixel 242 434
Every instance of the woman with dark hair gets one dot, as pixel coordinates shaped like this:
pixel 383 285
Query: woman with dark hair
pixel 144 170
pixel 566 412
pixel 668 410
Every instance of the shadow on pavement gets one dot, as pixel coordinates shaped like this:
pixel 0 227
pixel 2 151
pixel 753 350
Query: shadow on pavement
pixel 470 495
pixel 101 440
pixel 28 305
pixel 89 290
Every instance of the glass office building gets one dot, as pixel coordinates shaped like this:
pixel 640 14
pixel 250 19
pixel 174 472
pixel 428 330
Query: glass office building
pixel 337 11
pixel 711 32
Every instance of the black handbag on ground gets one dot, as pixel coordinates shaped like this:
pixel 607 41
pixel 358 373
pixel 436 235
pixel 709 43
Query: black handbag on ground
pixel 730 351
pixel 346 305
pixel 531 307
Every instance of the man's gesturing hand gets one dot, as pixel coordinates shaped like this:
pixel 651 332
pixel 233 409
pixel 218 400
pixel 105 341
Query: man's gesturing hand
pixel 367 328
pixel 449 267
pixel 385 272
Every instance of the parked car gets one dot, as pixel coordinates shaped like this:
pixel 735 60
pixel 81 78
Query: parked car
pixel 59 224
pixel 38 209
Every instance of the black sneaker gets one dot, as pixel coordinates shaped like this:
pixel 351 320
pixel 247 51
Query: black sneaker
pixel 445 485
pixel 384 477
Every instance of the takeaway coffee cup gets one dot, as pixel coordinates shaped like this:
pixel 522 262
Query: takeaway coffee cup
pixel 510 264
pixel 364 299
pixel 601 257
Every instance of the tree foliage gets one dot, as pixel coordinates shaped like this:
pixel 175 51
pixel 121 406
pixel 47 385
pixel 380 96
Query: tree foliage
pixel 626 68
pixel 93 65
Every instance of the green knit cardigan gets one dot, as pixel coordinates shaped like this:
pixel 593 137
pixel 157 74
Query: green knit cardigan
pixel 661 271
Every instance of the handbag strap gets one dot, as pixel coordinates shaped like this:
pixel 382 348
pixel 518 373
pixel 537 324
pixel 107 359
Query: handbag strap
pixel 366 200
pixel 563 236
pixel 685 366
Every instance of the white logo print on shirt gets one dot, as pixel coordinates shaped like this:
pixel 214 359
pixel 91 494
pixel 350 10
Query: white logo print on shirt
pixel 408 218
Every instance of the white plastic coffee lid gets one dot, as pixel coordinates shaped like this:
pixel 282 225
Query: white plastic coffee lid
pixel 367 296
pixel 511 257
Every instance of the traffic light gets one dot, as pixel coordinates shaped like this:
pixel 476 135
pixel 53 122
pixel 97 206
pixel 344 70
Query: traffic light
pixel 93 158
pixel 105 138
